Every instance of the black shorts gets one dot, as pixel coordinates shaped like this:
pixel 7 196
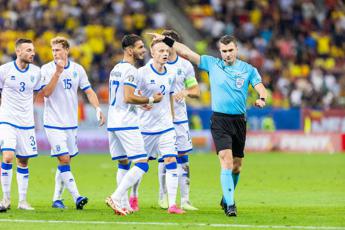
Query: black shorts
pixel 229 132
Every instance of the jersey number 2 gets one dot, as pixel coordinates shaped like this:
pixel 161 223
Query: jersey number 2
pixel 113 87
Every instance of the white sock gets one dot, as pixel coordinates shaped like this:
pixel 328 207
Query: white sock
pixel 6 179
pixel 171 182
pixel 23 182
pixel 135 189
pixel 68 180
pixel 133 175
pixel 120 174
pixel 161 180
pixel 59 186
pixel 184 181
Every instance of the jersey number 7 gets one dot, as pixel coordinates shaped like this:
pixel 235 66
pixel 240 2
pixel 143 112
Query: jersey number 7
pixel 113 87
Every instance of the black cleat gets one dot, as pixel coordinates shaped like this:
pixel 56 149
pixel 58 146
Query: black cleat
pixel 222 203
pixel 230 210
pixel 2 209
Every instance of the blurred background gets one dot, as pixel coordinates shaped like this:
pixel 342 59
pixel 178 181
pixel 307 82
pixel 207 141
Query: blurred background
pixel 298 47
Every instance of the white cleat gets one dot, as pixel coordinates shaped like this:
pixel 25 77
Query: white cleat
pixel 188 206
pixel 163 203
pixel 115 205
pixel 5 204
pixel 24 205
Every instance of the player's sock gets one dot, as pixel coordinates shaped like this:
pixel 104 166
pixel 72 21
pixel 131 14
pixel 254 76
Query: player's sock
pixel 135 189
pixel 184 181
pixel 227 186
pixel 59 186
pixel 122 170
pixel 235 177
pixel 161 179
pixel 68 180
pixel 6 179
pixel 133 175
pixel 23 182
pixel 171 182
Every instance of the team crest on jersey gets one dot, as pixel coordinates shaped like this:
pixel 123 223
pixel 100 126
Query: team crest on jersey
pixel 13 78
pixel 32 78
pixel 239 82
pixel 170 81
pixel 75 75
pixel 179 71
pixel 152 81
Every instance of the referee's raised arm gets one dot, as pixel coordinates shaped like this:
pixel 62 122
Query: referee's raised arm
pixel 180 48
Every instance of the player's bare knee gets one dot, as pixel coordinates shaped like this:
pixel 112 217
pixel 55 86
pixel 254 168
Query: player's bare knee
pixel 237 165
pixel 22 162
pixel 7 157
pixel 168 160
pixel 124 162
pixel 64 160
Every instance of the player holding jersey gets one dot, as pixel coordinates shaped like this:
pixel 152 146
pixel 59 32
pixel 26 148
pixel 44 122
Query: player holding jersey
pixel 157 124
pixel 18 80
pixel 186 85
pixel 125 140
pixel 62 78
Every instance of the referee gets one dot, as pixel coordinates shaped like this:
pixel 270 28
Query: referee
pixel 229 80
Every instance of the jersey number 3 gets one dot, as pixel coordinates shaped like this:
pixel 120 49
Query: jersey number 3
pixel 113 87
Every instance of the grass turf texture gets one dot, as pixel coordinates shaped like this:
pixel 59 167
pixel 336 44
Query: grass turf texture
pixel 274 190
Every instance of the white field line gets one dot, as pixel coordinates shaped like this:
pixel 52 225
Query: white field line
pixel 172 224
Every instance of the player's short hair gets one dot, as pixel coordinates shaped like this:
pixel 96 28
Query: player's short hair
pixel 22 41
pixel 154 42
pixel 60 40
pixel 172 34
pixel 227 39
pixel 130 40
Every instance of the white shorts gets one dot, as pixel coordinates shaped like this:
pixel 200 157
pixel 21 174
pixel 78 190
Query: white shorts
pixel 161 145
pixel 20 141
pixel 183 139
pixel 62 142
pixel 126 144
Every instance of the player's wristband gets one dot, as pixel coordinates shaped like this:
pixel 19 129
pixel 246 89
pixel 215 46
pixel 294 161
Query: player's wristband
pixel 263 99
pixel 151 100
pixel 98 113
pixel 168 41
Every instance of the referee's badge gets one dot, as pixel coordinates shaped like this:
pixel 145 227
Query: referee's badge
pixel 239 82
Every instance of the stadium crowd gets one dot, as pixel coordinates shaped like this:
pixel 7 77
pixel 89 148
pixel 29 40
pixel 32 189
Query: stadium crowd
pixel 298 46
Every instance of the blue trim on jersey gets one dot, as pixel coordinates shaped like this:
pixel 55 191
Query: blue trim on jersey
pixel 86 87
pixel 180 122
pixel 74 154
pixel 173 62
pixel 154 70
pixel 37 90
pixel 152 158
pixel 119 157
pixel 16 126
pixel 161 160
pixel 122 128
pixel 184 151
pixel 20 156
pixel 59 128
pixel 137 156
pixel 23 170
pixel 157 133
pixel 67 66
pixel 8 149
pixel 60 154
pixel 130 85
pixel 22 71
pixel 169 155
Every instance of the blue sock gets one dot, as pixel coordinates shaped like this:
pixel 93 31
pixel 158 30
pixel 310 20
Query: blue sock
pixel 227 186
pixel 235 177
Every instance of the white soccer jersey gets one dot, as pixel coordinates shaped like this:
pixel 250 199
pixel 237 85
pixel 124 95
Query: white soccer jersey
pixel 17 94
pixel 183 71
pixel 61 107
pixel 122 116
pixel 159 118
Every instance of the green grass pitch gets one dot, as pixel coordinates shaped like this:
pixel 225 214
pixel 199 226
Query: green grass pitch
pixel 275 190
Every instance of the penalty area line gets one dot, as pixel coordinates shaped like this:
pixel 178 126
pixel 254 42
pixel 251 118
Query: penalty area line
pixel 172 224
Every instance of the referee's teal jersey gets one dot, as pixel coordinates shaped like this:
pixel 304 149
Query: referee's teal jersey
pixel 229 84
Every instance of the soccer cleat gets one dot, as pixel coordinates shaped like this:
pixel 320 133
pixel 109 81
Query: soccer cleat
pixel 24 205
pixel 58 204
pixel 81 202
pixel 163 203
pixel 133 201
pixel 230 210
pixel 115 206
pixel 222 203
pixel 188 206
pixel 2 208
pixel 175 210
pixel 126 206
pixel 5 203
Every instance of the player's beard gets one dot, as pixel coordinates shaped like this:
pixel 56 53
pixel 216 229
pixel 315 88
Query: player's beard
pixel 138 56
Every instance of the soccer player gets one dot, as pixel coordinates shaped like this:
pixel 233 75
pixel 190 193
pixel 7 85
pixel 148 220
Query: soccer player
pixel 18 81
pixel 186 86
pixel 125 140
pixel 61 78
pixel 229 79
pixel 156 124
